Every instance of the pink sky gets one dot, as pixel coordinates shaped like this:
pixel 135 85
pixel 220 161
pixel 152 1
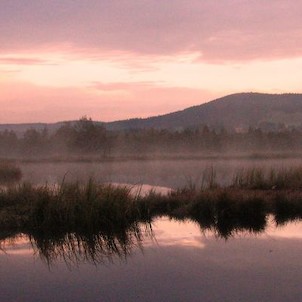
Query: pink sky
pixel 60 60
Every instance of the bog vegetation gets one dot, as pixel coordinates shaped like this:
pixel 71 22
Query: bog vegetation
pixel 9 172
pixel 91 207
pixel 93 220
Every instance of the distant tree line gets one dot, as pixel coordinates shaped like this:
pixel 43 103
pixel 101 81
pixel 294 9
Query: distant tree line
pixel 86 137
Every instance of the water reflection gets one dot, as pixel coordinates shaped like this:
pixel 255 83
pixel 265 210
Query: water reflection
pixel 107 246
pixel 75 248
pixel 226 219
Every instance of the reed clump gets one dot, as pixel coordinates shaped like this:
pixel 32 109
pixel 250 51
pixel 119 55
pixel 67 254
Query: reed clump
pixel 273 179
pixel 71 207
pixel 90 208
pixel 9 173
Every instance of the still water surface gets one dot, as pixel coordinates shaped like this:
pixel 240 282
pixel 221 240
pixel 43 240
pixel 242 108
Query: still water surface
pixel 164 173
pixel 176 261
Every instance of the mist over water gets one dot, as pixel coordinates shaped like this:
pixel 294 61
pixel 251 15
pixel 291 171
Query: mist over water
pixel 164 173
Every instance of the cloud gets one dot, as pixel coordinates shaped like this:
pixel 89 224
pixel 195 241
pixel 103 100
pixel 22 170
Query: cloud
pixel 146 99
pixel 23 61
pixel 220 31
pixel 23 102
pixel 8 72
pixel 122 86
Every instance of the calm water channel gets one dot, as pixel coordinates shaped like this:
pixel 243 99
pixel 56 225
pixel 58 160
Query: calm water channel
pixel 163 173
pixel 176 261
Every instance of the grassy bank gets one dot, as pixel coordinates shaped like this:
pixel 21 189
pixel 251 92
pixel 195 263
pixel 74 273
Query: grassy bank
pixel 101 219
pixel 9 172
pixel 91 208
pixel 180 156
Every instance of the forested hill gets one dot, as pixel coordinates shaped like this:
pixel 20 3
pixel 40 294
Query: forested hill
pixel 237 111
pixel 240 111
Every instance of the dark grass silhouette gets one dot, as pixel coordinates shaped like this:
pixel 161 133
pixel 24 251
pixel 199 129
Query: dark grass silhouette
pixel 93 222
pixel 9 173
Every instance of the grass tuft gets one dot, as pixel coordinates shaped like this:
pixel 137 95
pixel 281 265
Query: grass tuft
pixel 259 179
pixel 9 173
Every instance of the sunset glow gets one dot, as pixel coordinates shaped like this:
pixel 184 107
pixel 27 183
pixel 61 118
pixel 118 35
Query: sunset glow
pixel 120 59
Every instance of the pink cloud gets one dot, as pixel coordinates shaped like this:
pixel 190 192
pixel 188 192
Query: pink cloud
pixel 22 102
pixel 232 30
pixel 23 61
pixel 100 86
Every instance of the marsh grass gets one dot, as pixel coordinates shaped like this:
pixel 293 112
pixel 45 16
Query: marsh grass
pixel 91 221
pixel 260 179
pixel 92 208
pixel 9 172
pixel 75 222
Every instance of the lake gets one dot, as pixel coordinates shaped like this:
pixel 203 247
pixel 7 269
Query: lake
pixel 166 260
pixel 177 262
pixel 163 173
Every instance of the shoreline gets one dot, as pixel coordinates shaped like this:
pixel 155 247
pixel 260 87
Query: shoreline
pixel 189 157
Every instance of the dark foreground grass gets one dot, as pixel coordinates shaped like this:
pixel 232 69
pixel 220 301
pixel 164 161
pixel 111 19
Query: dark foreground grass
pixel 92 221
pixel 9 173
pixel 68 208
pixel 91 208
pixel 75 222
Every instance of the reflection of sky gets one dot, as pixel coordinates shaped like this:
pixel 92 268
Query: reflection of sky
pixel 172 233
pixel 180 264
pixel 188 234
pixel 291 230
pixel 19 245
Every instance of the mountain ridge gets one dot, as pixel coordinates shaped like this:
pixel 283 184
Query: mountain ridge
pixel 235 111
pixel 240 110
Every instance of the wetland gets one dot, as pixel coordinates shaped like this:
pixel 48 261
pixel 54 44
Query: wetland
pixel 185 230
